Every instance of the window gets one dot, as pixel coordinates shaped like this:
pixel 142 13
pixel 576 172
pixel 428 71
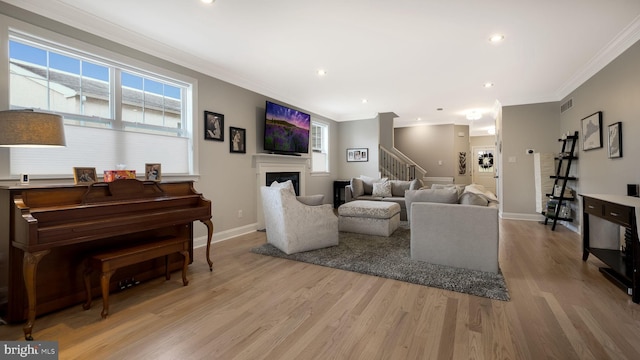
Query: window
pixel 319 147
pixel 114 113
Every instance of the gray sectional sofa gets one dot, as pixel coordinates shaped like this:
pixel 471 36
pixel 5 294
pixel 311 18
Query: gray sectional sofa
pixel 366 188
pixel 459 231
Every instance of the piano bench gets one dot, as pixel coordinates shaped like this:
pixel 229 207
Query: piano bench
pixel 108 262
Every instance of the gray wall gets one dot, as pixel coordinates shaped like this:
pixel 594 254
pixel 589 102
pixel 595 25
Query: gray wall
pixel 228 180
pixel 427 145
pixel 615 91
pixel 358 134
pixel 535 126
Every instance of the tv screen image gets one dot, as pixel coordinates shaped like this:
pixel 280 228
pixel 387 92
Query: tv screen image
pixel 286 130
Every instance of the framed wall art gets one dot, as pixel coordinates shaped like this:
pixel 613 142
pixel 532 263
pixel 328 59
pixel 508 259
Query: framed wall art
pixel 615 140
pixel 84 175
pixel 357 154
pixel 592 131
pixel 238 143
pixel 213 126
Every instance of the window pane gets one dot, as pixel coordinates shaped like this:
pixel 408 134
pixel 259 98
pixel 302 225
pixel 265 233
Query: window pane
pixel 64 63
pixel 26 53
pixel 95 90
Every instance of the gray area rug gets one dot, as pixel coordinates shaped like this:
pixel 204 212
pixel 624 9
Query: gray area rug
pixel 390 257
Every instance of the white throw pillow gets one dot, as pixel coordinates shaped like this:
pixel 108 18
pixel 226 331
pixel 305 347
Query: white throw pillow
pixel 368 183
pixel 382 189
pixel 285 185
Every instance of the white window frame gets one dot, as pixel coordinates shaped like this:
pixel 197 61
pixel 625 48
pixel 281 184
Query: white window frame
pixel 324 149
pixel 21 29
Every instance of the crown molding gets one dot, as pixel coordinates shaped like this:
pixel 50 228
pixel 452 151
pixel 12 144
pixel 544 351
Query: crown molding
pixel 623 41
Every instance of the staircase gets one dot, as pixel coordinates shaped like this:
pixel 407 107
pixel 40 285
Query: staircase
pixel 392 166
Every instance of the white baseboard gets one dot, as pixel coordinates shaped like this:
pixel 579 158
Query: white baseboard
pixel 519 216
pixel 225 235
pixel 537 217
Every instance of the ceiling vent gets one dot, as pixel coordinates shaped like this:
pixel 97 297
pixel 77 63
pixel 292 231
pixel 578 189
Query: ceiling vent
pixel 566 106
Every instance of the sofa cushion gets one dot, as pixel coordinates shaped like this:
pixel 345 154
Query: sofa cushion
pixel 382 189
pixel 415 184
pixel 398 187
pixel 357 187
pixel 311 200
pixel 446 196
pixel 469 198
pixel 368 183
pixel 459 188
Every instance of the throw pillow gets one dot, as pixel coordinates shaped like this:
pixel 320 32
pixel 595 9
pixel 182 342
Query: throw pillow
pixel 469 198
pixel 368 183
pixel 415 184
pixel 357 187
pixel 382 189
pixel 398 187
pixel 285 185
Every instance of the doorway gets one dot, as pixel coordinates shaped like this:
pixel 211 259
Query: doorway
pixel 483 171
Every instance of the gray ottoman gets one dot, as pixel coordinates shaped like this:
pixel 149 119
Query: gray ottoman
pixel 369 217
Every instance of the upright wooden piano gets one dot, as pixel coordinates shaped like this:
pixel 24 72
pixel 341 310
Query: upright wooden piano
pixel 52 230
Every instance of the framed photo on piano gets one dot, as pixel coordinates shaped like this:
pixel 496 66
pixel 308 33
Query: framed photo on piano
pixel 84 175
pixel 153 172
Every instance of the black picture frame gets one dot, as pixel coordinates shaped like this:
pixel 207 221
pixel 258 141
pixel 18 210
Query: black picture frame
pixel 592 131
pixel 615 140
pixel 237 140
pixel 213 126
pixel 357 154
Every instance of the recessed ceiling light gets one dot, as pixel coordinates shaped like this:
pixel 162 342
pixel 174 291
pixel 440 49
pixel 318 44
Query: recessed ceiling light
pixel 496 38
pixel 364 101
pixel 322 72
pixel 419 119
pixel 207 1
pixel 439 109
pixel 488 84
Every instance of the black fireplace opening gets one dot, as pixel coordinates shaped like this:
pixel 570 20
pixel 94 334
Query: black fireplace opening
pixel 284 176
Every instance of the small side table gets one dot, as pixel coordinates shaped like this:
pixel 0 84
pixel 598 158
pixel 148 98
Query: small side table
pixel 338 192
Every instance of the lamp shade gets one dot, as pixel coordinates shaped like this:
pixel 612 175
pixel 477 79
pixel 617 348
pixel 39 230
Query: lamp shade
pixel 31 129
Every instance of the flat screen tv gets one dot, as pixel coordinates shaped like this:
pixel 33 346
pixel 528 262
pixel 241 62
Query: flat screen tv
pixel 286 131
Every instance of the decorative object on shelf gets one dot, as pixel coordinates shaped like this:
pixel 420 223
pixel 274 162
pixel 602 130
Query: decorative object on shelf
pixel 24 179
pixel 213 126
pixel 153 172
pixel 238 143
pixel 592 131
pixel 113 175
pixel 357 154
pixel 26 128
pixel 84 175
pixel 462 163
pixel 615 140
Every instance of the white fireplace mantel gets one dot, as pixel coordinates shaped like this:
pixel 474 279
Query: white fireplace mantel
pixel 269 163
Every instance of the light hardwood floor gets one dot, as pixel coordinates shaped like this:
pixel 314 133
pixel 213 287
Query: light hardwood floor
pixel 259 307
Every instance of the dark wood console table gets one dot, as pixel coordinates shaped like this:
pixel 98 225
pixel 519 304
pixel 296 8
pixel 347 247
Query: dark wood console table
pixel 338 192
pixel 623 265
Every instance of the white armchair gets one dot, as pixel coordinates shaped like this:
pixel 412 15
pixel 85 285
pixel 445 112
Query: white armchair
pixel 293 226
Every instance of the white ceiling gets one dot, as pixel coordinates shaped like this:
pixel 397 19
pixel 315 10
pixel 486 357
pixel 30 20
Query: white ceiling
pixel 409 57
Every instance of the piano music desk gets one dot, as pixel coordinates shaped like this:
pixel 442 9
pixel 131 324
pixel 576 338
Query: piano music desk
pixel 107 263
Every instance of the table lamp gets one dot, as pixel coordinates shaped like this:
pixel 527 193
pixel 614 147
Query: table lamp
pixel 26 128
